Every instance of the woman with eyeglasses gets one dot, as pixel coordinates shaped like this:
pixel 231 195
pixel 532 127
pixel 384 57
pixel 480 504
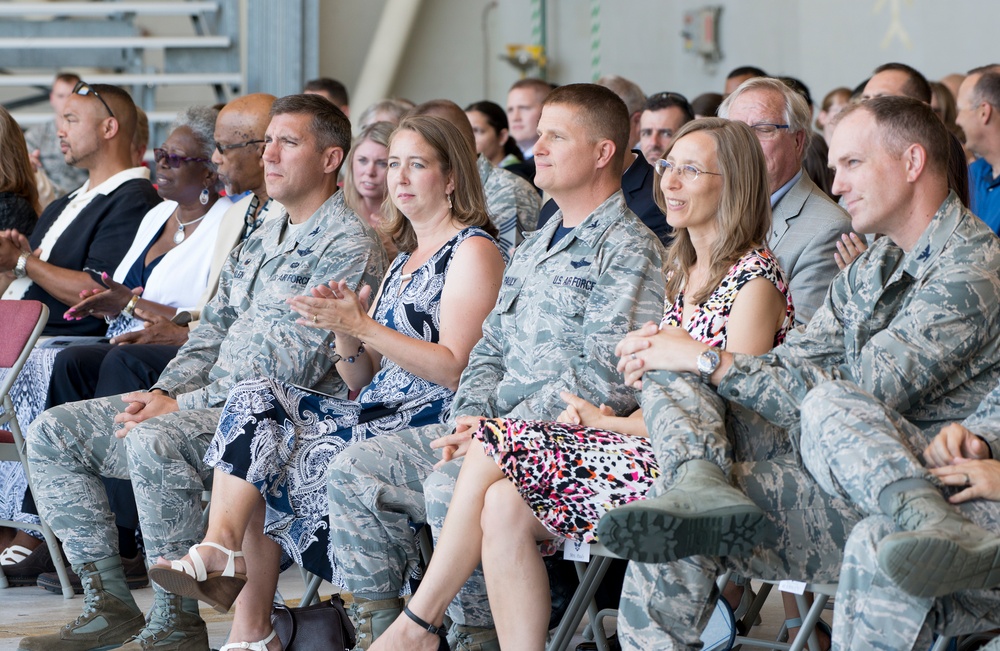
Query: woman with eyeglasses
pixel 166 268
pixel 365 186
pixel 526 487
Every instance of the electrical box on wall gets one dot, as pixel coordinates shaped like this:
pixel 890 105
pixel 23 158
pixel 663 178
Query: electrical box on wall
pixel 701 34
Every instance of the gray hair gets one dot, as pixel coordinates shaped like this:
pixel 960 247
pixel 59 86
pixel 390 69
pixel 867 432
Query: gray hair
pixel 796 113
pixel 628 91
pixel 201 121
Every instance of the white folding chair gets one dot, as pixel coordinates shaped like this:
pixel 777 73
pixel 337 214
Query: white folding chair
pixel 22 323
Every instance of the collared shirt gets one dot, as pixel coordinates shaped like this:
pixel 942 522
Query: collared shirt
pixel 985 203
pixel 918 330
pixel 248 330
pixel 79 200
pixel 560 313
pixel 783 190
pixel 512 202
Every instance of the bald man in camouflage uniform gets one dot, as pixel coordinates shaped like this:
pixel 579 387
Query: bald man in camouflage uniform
pixel 563 306
pixel 904 322
pixel 247 330
pixel 870 601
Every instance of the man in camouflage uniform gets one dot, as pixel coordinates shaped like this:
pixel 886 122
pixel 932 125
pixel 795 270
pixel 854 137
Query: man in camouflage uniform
pixel 572 290
pixel 839 417
pixel 246 330
pixel 937 265
pixel 512 202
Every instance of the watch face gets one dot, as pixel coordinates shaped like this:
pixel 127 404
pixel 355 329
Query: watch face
pixel 708 361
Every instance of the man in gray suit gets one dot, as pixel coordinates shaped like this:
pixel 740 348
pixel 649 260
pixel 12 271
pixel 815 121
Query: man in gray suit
pixel 806 225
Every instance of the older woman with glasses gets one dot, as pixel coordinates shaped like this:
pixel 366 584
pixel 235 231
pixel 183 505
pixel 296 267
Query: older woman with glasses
pixel 527 487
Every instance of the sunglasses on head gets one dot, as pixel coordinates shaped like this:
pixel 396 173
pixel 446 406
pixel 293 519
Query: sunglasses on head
pixel 84 89
pixel 173 160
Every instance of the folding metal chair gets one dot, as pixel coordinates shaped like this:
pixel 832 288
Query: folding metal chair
pixel 590 573
pixel 23 322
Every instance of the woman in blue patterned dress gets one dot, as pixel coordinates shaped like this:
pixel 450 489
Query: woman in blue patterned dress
pixel 405 355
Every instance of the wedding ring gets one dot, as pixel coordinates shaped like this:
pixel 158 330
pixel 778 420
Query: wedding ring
pixel 633 355
pixel 968 480
pixel 314 318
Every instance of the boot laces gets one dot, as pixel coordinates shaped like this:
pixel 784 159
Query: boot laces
pixel 91 602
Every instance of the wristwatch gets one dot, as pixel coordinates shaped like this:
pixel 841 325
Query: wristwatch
pixel 21 269
pixel 708 361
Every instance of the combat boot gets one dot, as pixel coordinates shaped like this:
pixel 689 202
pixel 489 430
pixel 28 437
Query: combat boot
pixel 372 617
pixel 938 551
pixel 700 514
pixel 472 638
pixel 174 625
pixel 110 615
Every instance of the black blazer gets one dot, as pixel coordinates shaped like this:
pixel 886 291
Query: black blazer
pixel 637 186
pixel 96 241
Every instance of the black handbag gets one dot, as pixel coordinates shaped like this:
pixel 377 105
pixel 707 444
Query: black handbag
pixel 321 627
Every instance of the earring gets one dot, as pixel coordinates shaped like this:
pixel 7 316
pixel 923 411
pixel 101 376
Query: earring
pixel 450 206
pixel 203 197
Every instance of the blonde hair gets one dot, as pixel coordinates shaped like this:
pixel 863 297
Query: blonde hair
pixel 16 173
pixel 744 214
pixel 455 157
pixel 377 132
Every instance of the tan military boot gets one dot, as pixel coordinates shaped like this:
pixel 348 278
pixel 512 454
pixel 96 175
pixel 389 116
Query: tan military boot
pixel 174 625
pixel 938 551
pixel 110 615
pixel 700 514
pixel 372 617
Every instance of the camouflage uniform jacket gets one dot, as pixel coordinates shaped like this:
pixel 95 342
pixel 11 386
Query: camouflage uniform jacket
pixel 560 313
pixel 248 330
pixel 917 330
pixel 512 202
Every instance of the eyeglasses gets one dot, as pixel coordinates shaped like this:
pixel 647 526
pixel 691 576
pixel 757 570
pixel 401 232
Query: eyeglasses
pixel 767 131
pixel 173 160
pixel 222 149
pixel 687 172
pixel 83 88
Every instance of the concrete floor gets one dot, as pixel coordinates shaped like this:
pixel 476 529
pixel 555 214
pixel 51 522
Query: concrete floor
pixel 29 611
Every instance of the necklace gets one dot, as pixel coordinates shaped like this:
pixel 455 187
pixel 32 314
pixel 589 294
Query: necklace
pixel 179 235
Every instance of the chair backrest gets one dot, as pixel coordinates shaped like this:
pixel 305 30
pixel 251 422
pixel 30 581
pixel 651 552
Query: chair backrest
pixel 21 323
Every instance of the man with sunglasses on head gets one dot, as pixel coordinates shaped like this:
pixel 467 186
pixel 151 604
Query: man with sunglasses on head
pixel 806 224
pixel 89 230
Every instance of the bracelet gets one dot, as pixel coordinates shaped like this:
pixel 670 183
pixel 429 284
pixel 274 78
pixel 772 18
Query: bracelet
pixel 129 309
pixel 353 358
pixel 21 268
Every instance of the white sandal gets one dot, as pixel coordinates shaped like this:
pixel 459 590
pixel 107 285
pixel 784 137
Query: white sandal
pixel 252 646
pixel 191 579
pixel 14 555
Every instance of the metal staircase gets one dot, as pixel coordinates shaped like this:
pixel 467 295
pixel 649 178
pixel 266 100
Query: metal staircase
pixel 105 43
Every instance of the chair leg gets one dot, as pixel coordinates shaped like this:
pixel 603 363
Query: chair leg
pixel 590 575
pixel 807 632
pixel 311 594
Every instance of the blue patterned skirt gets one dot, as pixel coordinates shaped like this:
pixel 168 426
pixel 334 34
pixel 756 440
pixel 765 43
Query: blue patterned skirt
pixel 281 438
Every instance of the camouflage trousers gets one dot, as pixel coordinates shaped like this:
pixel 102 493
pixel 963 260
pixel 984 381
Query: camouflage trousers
pixel 72 446
pixel 872 613
pixel 855 447
pixel 376 490
pixel 667 606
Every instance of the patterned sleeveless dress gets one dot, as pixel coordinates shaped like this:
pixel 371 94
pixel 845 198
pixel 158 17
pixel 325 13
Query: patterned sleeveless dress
pixel 281 438
pixel 572 475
